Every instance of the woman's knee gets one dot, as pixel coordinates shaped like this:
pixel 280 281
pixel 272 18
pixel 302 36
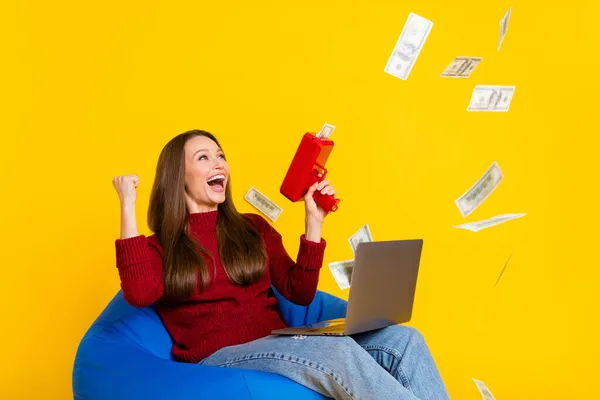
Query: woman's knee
pixel 407 334
pixel 415 334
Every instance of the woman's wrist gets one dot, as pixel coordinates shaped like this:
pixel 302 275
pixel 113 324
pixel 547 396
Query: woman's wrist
pixel 128 220
pixel 313 230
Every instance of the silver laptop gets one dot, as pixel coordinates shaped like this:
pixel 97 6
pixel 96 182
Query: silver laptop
pixel 382 291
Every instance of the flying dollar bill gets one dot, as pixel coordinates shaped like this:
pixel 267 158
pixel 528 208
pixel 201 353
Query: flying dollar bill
pixel 461 67
pixel 325 131
pixel 504 27
pixel 362 235
pixel 503 269
pixel 342 273
pixel 488 223
pixel 491 98
pixel 483 389
pixel 408 47
pixel 468 202
pixel 263 204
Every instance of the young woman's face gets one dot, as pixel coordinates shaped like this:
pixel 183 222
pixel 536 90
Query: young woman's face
pixel 206 173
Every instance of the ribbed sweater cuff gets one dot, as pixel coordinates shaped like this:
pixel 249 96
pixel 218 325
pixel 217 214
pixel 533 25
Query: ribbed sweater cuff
pixel 310 254
pixel 131 251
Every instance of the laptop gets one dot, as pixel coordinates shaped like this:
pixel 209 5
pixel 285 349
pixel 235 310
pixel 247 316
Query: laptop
pixel 382 293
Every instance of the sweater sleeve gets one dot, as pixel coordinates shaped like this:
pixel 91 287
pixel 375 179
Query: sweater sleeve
pixel 296 281
pixel 139 261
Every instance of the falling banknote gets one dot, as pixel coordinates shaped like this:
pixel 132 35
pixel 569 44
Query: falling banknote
pixel 461 67
pixel 409 46
pixel 363 235
pixel 503 269
pixel 491 98
pixel 325 131
pixel 468 202
pixel 263 204
pixel 342 273
pixel 504 27
pixel 488 223
pixel 483 389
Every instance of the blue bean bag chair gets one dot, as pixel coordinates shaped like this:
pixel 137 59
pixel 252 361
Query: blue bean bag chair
pixel 126 354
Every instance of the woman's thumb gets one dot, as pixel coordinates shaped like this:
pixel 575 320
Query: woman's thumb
pixel 134 179
pixel 312 189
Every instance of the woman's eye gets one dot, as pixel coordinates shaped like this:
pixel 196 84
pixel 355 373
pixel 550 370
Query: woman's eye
pixel 203 157
pixel 222 156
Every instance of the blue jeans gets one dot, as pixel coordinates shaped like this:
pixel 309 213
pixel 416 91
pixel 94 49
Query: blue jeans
pixel 389 363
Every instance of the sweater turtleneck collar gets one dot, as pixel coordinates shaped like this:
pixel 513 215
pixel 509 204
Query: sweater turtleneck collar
pixel 203 221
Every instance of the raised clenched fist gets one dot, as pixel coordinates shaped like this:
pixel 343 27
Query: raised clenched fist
pixel 125 186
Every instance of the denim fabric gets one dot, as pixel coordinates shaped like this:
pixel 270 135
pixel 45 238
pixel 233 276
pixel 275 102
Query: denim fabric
pixel 389 363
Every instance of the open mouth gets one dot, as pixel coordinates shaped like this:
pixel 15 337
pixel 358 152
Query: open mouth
pixel 217 183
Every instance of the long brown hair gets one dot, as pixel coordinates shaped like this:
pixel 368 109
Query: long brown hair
pixel 241 248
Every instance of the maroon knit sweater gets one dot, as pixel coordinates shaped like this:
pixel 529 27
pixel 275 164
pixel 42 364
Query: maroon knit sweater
pixel 225 314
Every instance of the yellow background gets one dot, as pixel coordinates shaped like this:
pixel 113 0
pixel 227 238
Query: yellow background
pixel 90 91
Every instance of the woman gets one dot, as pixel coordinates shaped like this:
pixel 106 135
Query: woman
pixel 209 269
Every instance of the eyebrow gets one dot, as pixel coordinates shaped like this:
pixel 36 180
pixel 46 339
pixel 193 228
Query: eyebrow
pixel 198 151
